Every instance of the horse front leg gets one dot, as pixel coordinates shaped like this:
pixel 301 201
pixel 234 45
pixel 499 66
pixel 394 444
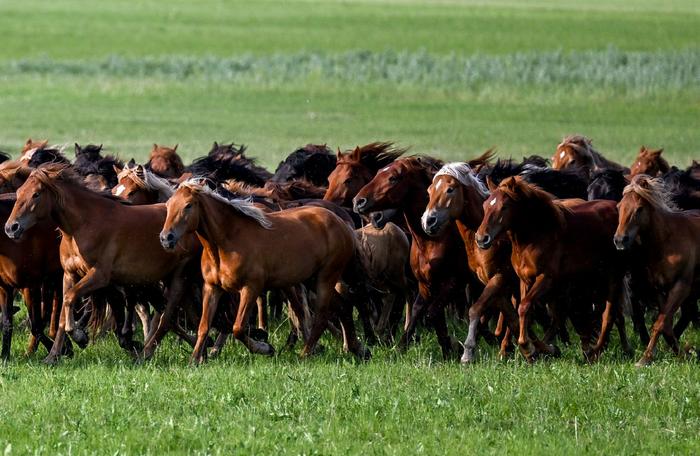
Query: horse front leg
pixel 210 301
pixel 94 280
pixel 492 291
pixel 529 296
pixel 249 296
pixel 663 324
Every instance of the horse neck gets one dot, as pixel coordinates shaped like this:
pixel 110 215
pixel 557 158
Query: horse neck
pixel 413 207
pixel 80 208
pixel 472 209
pixel 533 223
pixel 217 222
pixel 657 233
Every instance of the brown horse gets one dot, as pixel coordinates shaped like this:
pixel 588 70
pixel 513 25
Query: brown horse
pixel 669 241
pixel 165 162
pixel 554 247
pixel 438 263
pixel 353 170
pixel 577 152
pixel 456 195
pixel 649 162
pixel 242 247
pixel 30 145
pixel 33 266
pixel 103 242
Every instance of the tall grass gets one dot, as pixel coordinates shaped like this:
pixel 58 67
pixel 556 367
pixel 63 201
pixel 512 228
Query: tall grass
pixel 639 72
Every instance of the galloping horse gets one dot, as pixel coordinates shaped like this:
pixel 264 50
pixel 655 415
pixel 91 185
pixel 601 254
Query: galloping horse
pixel 438 263
pixel 669 241
pixel 457 195
pixel 649 162
pixel 242 247
pixel 138 185
pixel 165 162
pixel 577 152
pixel 554 245
pixel 353 170
pixel 103 242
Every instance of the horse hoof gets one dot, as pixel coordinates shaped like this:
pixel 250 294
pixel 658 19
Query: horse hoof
pixel 554 351
pixel 364 354
pixel 467 357
pixel 643 362
pixel 51 360
pixel 79 337
pixel 258 334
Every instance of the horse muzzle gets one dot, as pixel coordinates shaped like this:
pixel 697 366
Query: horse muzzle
pixel 168 240
pixel 484 241
pixel 432 223
pixel 13 230
pixel 360 205
pixel 622 242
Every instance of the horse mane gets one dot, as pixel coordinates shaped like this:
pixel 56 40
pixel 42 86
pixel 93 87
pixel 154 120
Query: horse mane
pixel 45 154
pixel 228 161
pixel 465 175
pixel 51 173
pixel 294 190
pixel 520 190
pixel 14 168
pixel 147 180
pixel 613 179
pixel 423 163
pixel 653 191
pixel 560 183
pixel 239 188
pixel 482 160
pixel 584 146
pixel 241 206
pixel 313 162
pixel 4 156
pixel 374 156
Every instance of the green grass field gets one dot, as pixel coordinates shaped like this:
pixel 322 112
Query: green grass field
pixel 448 78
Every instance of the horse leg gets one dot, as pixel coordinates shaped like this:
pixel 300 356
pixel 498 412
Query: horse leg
pixel 32 297
pixel 210 301
pixel 492 290
pixel 298 314
pixel 6 295
pixel 678 293
pixel 92 281
pixel 249 295
pixel 529 296
pixel 638 310
pixel 417 310
pixel 351 343
pixel 262 311
pixel 613 311
pixel 163 322
pixel 689 313
pixel 57 349
pixel 436 317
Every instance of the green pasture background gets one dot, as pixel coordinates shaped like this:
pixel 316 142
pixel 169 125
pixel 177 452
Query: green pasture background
pixel 448 78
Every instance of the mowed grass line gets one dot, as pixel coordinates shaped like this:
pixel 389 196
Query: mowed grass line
pixel 128 115
pixel 82 29
pixel 395 404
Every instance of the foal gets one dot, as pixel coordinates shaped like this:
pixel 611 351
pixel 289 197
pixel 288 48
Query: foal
pixel 242 252
pixel 669 241
pixel 554 245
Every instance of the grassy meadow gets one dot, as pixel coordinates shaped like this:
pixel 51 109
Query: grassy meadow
pixel 448 78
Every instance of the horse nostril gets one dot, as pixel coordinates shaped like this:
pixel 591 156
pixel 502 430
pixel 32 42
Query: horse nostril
pixel 170 237
pixel 14 227
pixel 431 221
pixel 361 202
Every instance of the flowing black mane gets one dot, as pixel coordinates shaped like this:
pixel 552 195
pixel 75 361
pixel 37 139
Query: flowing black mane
pixel 228 161
pixel 313 162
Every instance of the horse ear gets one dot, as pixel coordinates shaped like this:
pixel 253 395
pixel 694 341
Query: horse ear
pixel 175 148
pixel 656 153
pixel 215 146
pixel 131 163
pixel 155 146
pixel 356 153
pixel 77 149
pixel 491 184
pixel 29 141
pixel 100 148
pixel 117 169
pixel 339 154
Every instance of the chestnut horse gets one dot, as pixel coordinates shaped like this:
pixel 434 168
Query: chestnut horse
pixel 438 263
pixel 553 246
pixel 456 195
pixel 33 266
pixel 649 162
pixel 165 162
pixel 577 152
pixel 353 170
pixel 138 185
pixel 103 242
pixel 242 247
pixel 669 241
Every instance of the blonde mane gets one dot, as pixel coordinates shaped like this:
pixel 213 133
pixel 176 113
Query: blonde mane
pixel 243 207
pixel 11 168
pixel 464 174
pixel 653 191
pixel 146 180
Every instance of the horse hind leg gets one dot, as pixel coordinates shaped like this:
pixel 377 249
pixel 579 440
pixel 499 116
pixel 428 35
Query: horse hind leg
pixel 6 295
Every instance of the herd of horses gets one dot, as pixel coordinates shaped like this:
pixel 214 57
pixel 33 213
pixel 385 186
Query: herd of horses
pixel 516 249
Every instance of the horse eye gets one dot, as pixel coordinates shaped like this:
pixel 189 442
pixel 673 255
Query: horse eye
pixel 348 180
pixel 450 190
pixel 393 179
pixel 35 195
pixel 188 206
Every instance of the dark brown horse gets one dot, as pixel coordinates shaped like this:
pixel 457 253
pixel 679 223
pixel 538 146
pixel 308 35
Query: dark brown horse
pixel 242 248
pixel 649 162
pixel 669 241
pixel 555 247
pixel 438 263
pixel 103 242
pixel 354 169
pixel 165 162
